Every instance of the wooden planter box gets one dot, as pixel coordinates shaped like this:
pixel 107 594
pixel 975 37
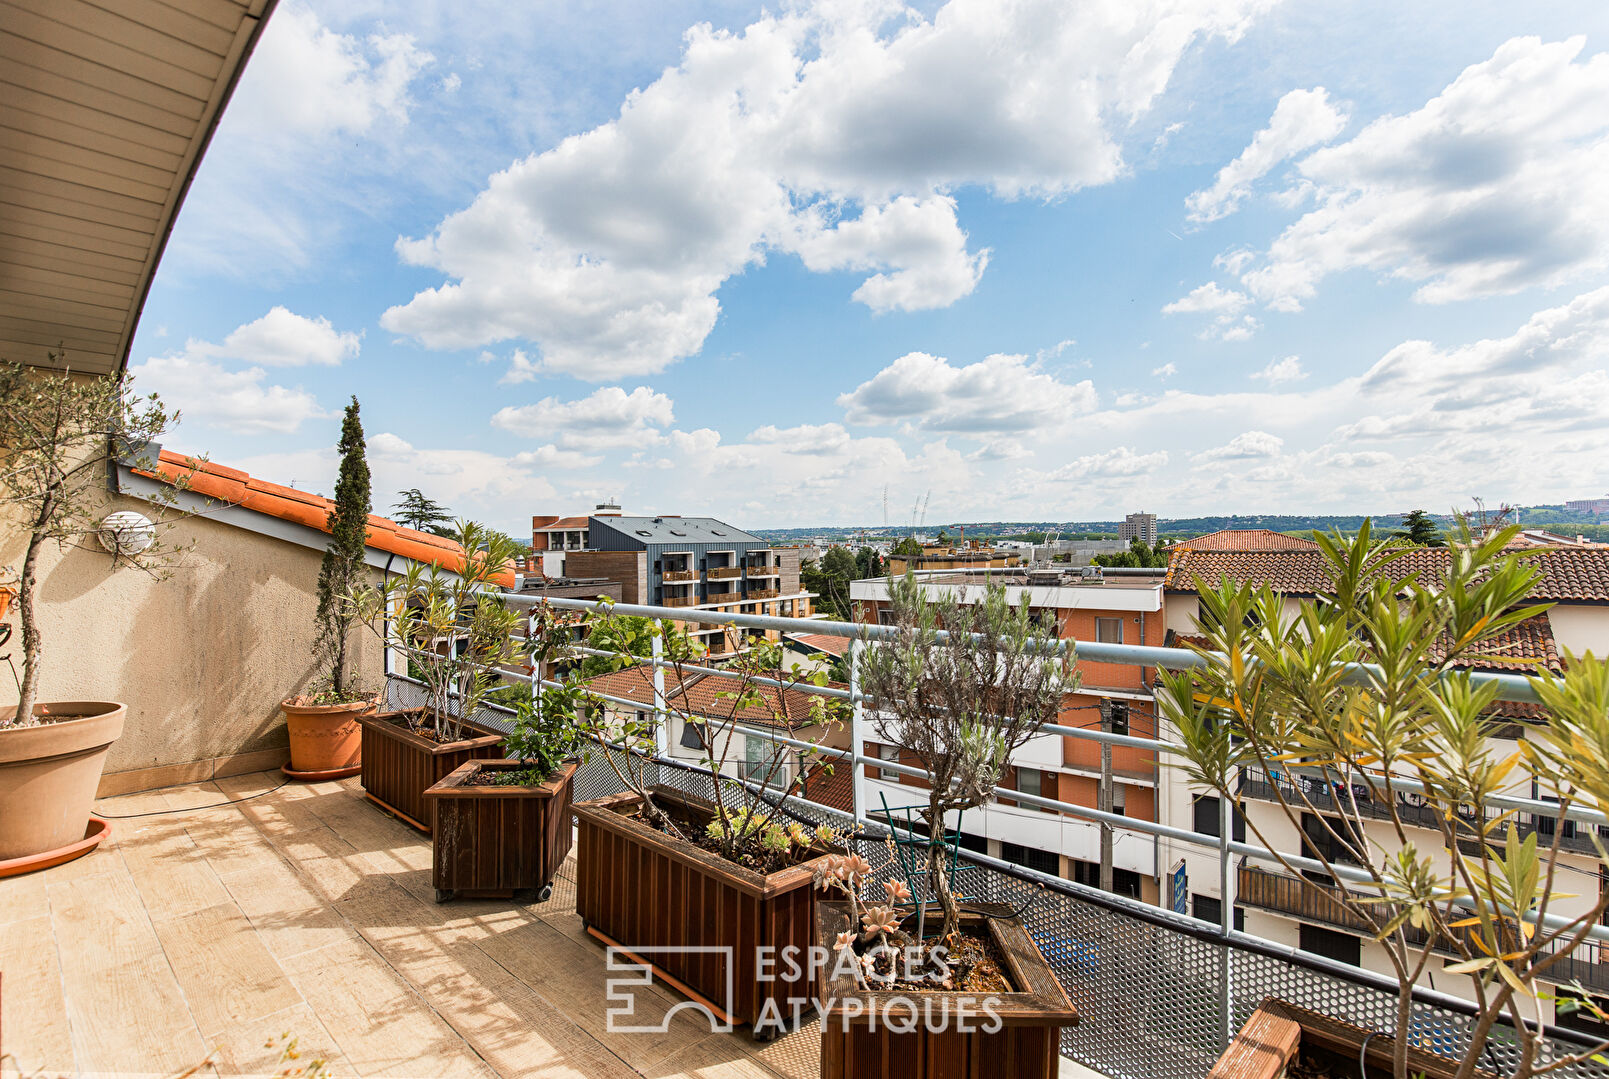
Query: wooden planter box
pixel 858 1043
pixel 399 765
pixel 499 840
pixel 1276 1031
pixel 638 888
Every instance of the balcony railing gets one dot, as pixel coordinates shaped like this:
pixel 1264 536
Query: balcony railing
pixel 1323 795
pixel 1160 994
pixel 763 593
pixel 677 575
pixel 725 573
pixel 765 571
pixel 680 601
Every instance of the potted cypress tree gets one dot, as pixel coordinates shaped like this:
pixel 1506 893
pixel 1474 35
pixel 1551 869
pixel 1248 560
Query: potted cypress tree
pixel 961 687
pixel 325 739
pixel 61 433
pixel 457 632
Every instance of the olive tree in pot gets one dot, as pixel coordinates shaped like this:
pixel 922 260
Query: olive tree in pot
pixel 962 684
pixel 322 722
pixel 458 635
pixel 58 436
pixel 710 865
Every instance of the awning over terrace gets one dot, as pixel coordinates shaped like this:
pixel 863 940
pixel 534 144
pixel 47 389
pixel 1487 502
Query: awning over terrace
pixel 106 107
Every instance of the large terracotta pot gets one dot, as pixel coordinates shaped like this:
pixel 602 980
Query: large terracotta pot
pixel 326 740
pixel 48 775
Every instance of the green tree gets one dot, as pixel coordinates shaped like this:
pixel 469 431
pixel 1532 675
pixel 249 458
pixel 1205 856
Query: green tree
pixel 1419 529
pixel 342 569
pixel 632 635
pixel 907 548
pixel 1411 717
pixel 421 514
pixel 60 431
pixel 868 563
pixel 829 579
pixel 1140 555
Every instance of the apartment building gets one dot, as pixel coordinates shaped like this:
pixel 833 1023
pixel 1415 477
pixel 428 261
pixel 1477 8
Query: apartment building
pixel 1116 609
pixel 1138 526
pixel 1274 905
pixel 939 558
pixel 696 562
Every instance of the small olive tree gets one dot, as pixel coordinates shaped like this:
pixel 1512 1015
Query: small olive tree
pixel 1444 869
pixel 965 681
pixel 59 434
pixel 454 626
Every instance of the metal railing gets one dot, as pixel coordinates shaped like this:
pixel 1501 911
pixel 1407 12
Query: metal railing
pixel 1139 974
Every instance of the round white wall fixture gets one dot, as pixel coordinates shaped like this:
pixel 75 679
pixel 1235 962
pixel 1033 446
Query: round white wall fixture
pixel 127 533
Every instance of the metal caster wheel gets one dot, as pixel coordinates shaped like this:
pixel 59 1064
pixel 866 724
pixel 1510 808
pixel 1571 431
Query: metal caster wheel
pixel 545 894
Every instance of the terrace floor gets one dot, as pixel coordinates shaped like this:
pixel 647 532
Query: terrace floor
pixel 308 911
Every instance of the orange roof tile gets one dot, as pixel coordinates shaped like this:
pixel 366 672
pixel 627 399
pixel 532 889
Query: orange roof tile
pixel 567 524
pixel 1518 648
pixel 1248 539
pixel 834 646
pixel 699 694
pixel 237 488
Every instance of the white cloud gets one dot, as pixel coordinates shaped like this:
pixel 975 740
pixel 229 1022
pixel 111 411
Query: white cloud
pixel 1116 463
pixel 835 133
pixel 521 368
pixel 1247 446
pixel 1167 370
pixel 1494 186
pixel 1277 372
pixel 551 456
pixel 307 81
pixel 209 393
pixel 1210 298
pixel 281 338
pixel 1302 120
pixel 609 416
pixel 997 394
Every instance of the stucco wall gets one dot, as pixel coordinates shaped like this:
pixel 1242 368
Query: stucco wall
pixel 201 659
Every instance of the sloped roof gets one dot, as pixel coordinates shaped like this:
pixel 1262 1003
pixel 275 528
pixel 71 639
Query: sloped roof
pixel 1568 575
pixel 820 642
pixel 563 524
pixel 1248 539
pixel 105 112
pixel 233 487
pixel 1519 648
pixel 835 789
pixel 699 694
pixel 670 530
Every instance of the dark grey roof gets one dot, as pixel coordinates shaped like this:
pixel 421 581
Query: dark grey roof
pixel 671 530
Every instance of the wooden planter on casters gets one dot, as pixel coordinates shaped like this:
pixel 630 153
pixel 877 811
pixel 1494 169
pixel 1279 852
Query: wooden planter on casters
pixel 637 887
pixel 499 840
pixel 1268 1042
pixel 399 765
pixel 858 1043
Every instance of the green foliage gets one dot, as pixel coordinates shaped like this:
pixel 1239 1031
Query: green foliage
pixel 421 514
pixel 962 698
pixel 1140 555
pixel 1284 701
pixel 830 578
pixel 546 730
pixel 342 568
pixel 906 548
pixel 456 626
pixel 1419 529
pixel 59 430
pixel 634 635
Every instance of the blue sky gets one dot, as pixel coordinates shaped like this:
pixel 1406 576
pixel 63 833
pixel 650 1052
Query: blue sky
pixel 1045 260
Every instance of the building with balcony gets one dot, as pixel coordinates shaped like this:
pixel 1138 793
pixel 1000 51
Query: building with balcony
pixel 1110 609
pixel 1301 910
pixel 694 562
pixel 1138 526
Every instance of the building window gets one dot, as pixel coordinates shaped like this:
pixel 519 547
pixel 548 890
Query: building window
pixel 757 754
pixel 1341 947
pixel 1572 1016
pixel 1040 861
pixel 1109 630
pixel 692 736
pixel 1116 714
pixel 1124 881
pixel 888 753
pixel 885 616
pixel 1206 809
pixel 1209 908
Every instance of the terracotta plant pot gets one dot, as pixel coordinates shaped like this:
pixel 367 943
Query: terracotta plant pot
pixel 868 1032
pixel 48 776
pixel 637 887
pixel 399 765
pixel 506 840
pixel 326 741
